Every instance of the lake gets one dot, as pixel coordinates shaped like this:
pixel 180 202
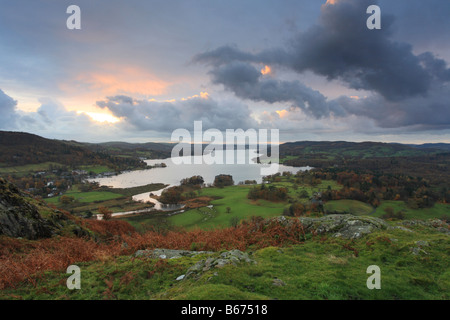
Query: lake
pixel 173 173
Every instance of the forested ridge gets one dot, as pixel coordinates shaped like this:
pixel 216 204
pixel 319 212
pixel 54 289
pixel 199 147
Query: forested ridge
pixel 19 149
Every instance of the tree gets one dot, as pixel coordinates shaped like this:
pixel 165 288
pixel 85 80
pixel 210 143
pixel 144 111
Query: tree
pixel 172 195
pixel 223 180
pixel 105 212
pixel 194 180
pixel 270 193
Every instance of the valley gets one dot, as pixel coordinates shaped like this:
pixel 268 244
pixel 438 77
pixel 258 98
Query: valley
pixel 311 233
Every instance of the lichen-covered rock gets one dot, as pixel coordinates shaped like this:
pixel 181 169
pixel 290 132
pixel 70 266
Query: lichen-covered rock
pixel 422 243
pixel 168 253
pixel 418 248
pixel 437 224
pixel 278 283
pixel 402 228
pixel 343 225
pixel 233 257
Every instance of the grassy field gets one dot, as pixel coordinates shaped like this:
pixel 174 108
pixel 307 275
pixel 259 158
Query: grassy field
pixel 354 207
pixel 95 169
pixel 295 191
pixel 437 211
pixel 359 208
pixel 138 190
pixel 22 170
pixel 86 197
pixel 286 158
pixel 317 269
pixel 115 199
pixel 234 197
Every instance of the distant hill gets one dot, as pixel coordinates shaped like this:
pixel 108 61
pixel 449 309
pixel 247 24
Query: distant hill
pixel 151 150
pixel 131 146
pixel 20 148
pixel 430 162
pixel 435 146
pixel 342 149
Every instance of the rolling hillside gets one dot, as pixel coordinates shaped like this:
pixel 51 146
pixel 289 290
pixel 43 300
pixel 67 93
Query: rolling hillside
pixel 344 149
pixel 20 149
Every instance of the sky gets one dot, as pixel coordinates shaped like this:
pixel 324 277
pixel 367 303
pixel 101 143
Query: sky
pixel 138 70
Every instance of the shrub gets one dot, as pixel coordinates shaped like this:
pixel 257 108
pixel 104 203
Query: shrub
pixel 270 193
pixel 390 214
pixel 105 212
pixel 172 195
pixel 223 180
pixel 194 180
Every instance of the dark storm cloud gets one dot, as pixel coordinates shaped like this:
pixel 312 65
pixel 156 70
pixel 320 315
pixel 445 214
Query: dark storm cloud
pixel 407 89
pixel 223 55
pixel 247 82
pixel 230 53
pixel 436 67
pixel 167 116
pixel 420 113
pixel 341 47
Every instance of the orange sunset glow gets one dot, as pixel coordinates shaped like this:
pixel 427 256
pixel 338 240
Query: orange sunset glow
pixel 126 80
pixel 266 70
pixel 282 113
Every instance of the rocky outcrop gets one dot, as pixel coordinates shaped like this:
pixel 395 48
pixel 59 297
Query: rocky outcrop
pixel 19 218
pixel 345 226
pixel 436 224
pixel 232 257
pixel 167 253
pixel 348 226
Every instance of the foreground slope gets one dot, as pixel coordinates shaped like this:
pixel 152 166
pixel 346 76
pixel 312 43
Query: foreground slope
pixel 327 258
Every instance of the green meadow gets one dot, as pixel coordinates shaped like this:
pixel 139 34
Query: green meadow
pixel 87 197
pixel 240 207
pixel 115 199
pixel 358 208
pixel 95 169
pixel 439 210
pixel 26 169
pixel 234 197
pixel 354 207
